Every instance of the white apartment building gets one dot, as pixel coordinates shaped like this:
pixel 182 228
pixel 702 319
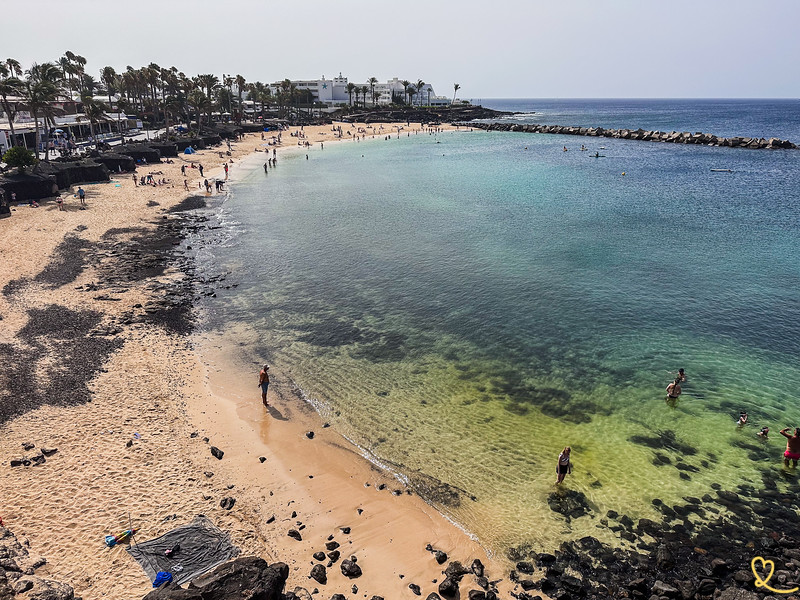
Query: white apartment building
pixel 334 91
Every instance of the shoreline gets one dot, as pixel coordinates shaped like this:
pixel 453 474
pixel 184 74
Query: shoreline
pixel 132 447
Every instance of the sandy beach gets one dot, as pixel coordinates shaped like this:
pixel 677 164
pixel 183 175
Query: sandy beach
pixel 100 368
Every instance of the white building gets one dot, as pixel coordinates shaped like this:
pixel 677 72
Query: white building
pixel 334 91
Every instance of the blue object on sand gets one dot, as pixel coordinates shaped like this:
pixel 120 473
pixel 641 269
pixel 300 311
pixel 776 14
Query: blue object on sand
pixel 189 150
pixel 161 578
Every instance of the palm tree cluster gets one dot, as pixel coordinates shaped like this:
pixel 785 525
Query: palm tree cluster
pixel 157 94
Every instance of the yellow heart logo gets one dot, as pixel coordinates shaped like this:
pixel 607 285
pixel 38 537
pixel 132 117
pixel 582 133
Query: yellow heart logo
pixel 766 565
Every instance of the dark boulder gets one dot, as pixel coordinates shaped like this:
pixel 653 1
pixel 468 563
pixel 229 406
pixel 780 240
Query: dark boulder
pixel 319 574
pixel 350 569
pixel 218 454
pixel 319 555
pixel 441 557
pixel 455 570
pixel 448 587
pixel 477 568
pixel 227 503
pixel 527 568
pixel 545 558
pixel 248 577
pixel 415 589
pixel 664 589
pixel 570 503
pixel 293 533
pixel 665 559
pixel 476 595
pixel 734 593
pixel 433 596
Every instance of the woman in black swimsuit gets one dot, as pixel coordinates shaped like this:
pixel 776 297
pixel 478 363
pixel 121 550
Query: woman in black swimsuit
pixel 564 465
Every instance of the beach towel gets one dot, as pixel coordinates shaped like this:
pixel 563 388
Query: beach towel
pixel 185 552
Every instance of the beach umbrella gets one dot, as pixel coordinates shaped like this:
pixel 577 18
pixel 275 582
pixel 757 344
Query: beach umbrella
pixel 113 540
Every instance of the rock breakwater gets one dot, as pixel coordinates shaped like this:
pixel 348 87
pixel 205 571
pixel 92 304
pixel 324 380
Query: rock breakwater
pixel 673 137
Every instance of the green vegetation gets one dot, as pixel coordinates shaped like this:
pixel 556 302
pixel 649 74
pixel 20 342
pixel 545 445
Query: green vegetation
pixel 19 157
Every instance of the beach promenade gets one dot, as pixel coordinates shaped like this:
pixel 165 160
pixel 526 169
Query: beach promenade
pixel 95 307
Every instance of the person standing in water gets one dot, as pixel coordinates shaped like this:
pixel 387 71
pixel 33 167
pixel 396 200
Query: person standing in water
pixel 674 389
pixel 564 465
pixel 263 383
pixel 792 446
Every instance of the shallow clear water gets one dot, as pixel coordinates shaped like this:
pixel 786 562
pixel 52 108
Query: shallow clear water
pixel 467 304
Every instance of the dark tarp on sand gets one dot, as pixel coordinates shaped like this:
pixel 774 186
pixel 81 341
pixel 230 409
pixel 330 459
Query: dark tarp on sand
pixel 203 546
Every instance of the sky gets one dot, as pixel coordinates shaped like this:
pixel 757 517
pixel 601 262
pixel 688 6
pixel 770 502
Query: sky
pixel 492 48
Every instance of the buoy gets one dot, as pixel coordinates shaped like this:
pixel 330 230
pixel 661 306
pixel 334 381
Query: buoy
pixel 623 172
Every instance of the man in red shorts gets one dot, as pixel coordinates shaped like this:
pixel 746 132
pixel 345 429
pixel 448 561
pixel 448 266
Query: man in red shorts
pixel 792 446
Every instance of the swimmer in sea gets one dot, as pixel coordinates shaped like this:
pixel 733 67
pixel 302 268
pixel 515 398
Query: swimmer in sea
pixel 742 419
pixel 764 433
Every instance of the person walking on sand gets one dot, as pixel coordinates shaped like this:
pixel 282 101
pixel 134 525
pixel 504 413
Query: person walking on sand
pixel 82 196
pixel 263 383
pixel 563 466
pixel 200 167
pixel 792 446
pixel 674 389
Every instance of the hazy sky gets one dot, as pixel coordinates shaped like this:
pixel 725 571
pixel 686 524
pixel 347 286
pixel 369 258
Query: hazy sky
pixel 492 48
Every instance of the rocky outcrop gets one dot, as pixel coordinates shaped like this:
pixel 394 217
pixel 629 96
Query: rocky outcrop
pixel 183 143
pixel 69 173
pixel 18 573
pixel 166 149
pixel 249 578
pixel 404 114
pixel 141 152
pixel 116 162
pixel 29 186
pixel 672 137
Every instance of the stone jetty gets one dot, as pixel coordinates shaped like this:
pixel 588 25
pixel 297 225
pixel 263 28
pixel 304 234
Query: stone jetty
pixel 673 137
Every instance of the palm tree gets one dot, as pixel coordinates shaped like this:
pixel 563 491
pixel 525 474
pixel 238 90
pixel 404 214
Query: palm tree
pixel 122 105
pixel 42 87
pixel 351 87
pixel 241 82
pixel 372 81
pixel 259 93
pixel 411 92
pixel 420 85
pixel 109 78
pixel 10 85
pixel 364 90
pixel 201 104
pixel 209 82
pixel 405 83
pixel 95 111
pixel 456 87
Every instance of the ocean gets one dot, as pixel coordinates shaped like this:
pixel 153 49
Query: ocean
pixel 462 306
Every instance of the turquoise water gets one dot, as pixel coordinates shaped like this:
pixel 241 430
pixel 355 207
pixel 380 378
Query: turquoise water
pixel 465 305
